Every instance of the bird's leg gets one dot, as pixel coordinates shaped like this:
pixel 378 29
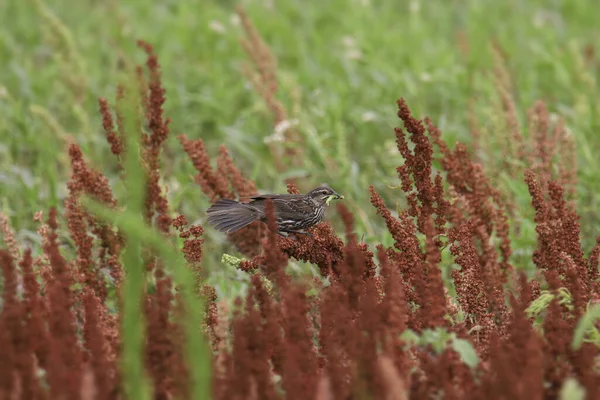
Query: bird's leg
pixel 286 236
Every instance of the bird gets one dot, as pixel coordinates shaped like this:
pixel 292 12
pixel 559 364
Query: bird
pixel 293 212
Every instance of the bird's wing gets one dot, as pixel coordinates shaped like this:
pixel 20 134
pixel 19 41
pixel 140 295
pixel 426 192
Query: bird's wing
pixel 274 196
pixel 285 208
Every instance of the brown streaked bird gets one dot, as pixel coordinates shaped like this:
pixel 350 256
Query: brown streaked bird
pixel 294 212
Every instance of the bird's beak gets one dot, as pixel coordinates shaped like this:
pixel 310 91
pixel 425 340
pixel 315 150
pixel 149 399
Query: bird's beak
pixel 335 196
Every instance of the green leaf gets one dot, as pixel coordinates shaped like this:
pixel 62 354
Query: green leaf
pixel 136 383
pixel 231 260
pixel 585 325
pixel 467 353
pixel 410 337
pixel 572 390
pixel 540 304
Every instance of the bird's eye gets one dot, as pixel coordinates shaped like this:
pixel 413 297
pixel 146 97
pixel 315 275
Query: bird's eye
pixel 324 192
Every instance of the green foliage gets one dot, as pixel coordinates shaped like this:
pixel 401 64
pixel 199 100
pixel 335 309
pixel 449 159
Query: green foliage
pixel 466 351
pixel 230 260
pixel 440 339
pixel 586 329
pixel 545 298
pixel 339 77
pixel 341 65
pixel 133 322
pixel 538 306
pixel 572 390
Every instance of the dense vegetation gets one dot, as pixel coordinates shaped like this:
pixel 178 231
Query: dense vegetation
pixel 463 262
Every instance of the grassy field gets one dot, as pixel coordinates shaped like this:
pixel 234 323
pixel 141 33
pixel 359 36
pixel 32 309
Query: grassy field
pixel 340 66
pixel 324 111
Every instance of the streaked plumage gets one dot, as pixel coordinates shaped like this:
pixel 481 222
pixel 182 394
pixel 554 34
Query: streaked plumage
pixel 294 212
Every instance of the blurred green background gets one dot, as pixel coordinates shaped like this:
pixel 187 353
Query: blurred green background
pixel 341 67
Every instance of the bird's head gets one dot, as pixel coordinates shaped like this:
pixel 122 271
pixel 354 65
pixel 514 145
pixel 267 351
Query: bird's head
pixel 324 194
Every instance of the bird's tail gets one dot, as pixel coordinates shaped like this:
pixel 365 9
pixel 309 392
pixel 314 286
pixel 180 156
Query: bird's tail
pixel 229 216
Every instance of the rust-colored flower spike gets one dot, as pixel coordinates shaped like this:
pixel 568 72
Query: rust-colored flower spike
pixel 241 370
pixel 103 367
pixel 65 354
pixel 415 173
pixel 351 239
pixel 523 346
pixel 543 143
pixel 475 195
pixel 324 249
pixel 292 188
pixel 162 357
pixel 558 232
pixel 192 246
pixel 480 205
pixel 262 73
pixel 418 267
pixel 471 291
pixel 353 299
pixel 300 359
pixel 593 266
pixel 85 180
pixel 216 185
pixel 338 343
pixel 403 233
pixel 516 145
pixel 156 200
pixel 10 325
pixel 394 310
pixel 427 205
pixel 262 345
pixel 554 155
pixel 567 166
pixel 226 167
pixel 271 322
pixel 112 136
pixel 211 183
pixel 37 335
pixel 8 236
pixel 275 259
